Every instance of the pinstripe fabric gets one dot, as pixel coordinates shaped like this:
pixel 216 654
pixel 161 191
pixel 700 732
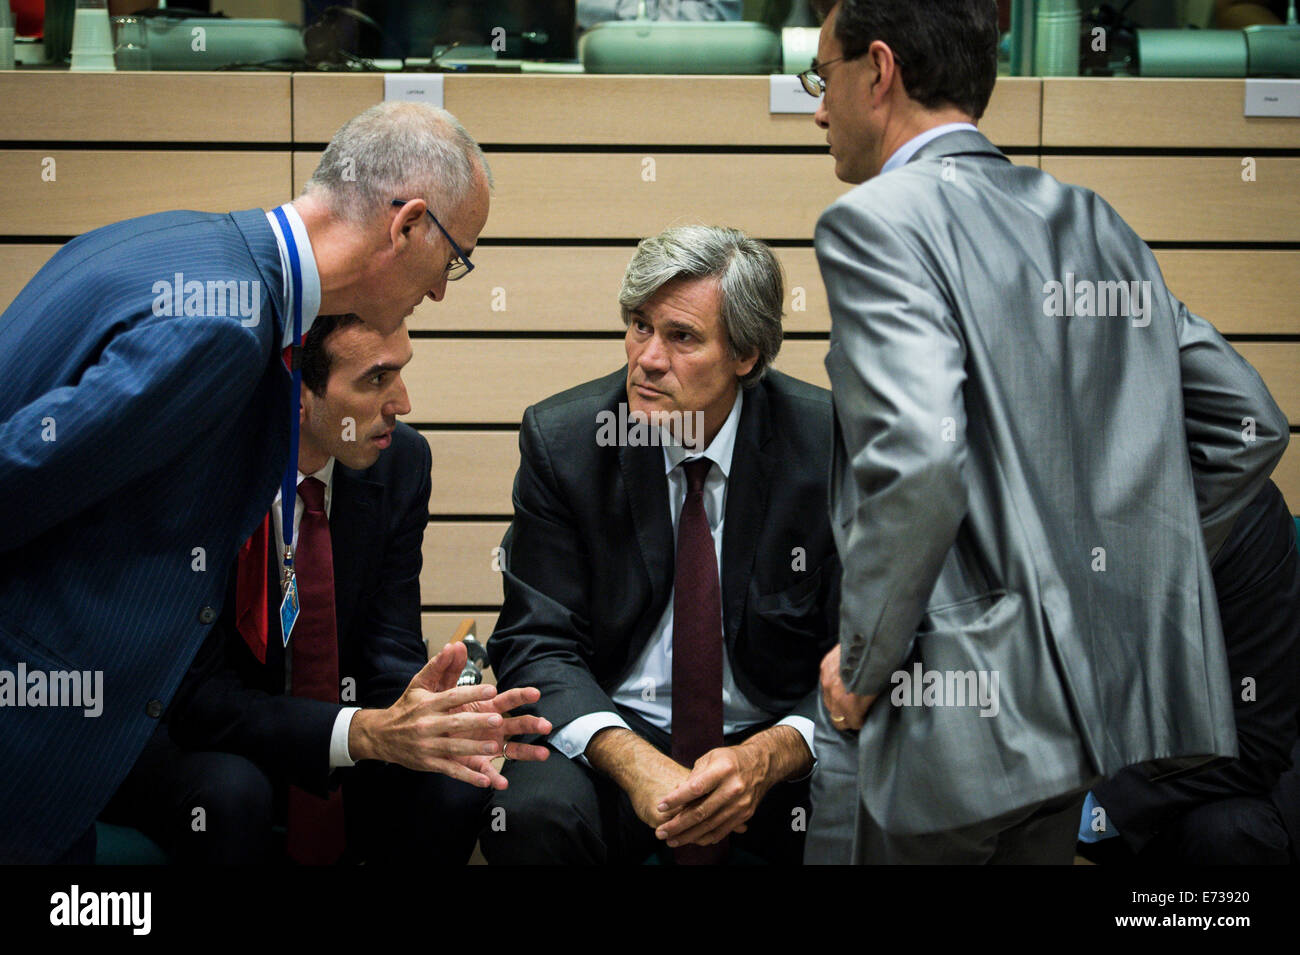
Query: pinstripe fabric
pixel 137 451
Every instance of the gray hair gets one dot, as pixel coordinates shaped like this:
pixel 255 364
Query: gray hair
pixel 398 150
pixel 749 278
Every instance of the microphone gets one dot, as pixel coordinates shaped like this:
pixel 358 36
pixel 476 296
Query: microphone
pixel 477 658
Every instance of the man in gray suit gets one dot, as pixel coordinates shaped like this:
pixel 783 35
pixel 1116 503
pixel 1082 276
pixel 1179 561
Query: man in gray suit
pixel 1037 449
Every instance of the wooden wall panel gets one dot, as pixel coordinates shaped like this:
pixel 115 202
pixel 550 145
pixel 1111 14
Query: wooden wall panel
pixel 1240 292
pixel 92 188
pixel 473 471
pixel 322 102
pixel 1151 112
pixel 458 558
pixel 564 195
pixel 623 110
pixel 574 288
pixel 18 263
pixel 182 107
pixel 1193 198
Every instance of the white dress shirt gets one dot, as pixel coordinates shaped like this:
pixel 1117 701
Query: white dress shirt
pixel 648 687
pixel 339 754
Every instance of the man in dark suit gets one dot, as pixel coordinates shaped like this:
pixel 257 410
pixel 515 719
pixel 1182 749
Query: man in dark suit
pixel 671 599
pixel 251 715
pixel 144 428
pixel 1238 813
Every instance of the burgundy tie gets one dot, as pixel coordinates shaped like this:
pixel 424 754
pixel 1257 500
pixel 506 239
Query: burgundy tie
pixel 697 644
pixel 316 834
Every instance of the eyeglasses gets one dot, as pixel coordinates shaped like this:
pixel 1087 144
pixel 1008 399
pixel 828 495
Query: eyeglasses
pixel 460 265
pixel 814 84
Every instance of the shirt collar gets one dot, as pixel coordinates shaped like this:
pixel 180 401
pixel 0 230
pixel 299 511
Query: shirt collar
pixel 720 448
pixel 909 148
pixel 310 275
pixel 323 475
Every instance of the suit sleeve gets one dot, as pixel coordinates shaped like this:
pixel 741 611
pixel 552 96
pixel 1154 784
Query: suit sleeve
pixel 157 388
pixel 898 494
pixel 543 636
pixel 391 644
pixel 1235 431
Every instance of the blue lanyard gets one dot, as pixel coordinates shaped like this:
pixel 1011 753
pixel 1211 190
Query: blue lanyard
pixel 289 489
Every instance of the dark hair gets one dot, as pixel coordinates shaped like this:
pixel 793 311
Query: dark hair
pixel 316 358
pixel 947 49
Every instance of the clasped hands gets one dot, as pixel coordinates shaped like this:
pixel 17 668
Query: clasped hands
pixel 436 726
pixel 715 797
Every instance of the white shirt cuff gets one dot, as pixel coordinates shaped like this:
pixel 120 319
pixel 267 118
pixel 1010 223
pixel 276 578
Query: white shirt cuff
pixel 573 738
pixel 340 758
pixel 806 729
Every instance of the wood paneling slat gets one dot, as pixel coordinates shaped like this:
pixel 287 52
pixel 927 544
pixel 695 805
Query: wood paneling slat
pixel 56 105
pixel 473 471
pixel 1157 113
pixel 603 196
pixel 572 288
pixel 623 110
pixel 92 188
pixel 1241 292
pixel 18 263
pixel 1193 198
pixel 458 559
pixel 322 102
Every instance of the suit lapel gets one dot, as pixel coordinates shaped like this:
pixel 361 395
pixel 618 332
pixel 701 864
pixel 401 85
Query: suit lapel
pixel 747 492
pixel 647 498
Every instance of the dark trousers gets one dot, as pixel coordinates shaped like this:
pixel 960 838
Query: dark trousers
pixel 560 812
pixel 391 813
pixel 1240 810
pixel 1042 834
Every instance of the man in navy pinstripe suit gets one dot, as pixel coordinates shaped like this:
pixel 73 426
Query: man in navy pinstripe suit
pixel 144 420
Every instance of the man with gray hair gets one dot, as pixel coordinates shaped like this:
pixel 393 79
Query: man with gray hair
pixel 670 578
pixel 145 425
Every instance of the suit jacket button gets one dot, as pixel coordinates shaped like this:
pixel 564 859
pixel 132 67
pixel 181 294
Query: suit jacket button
pixel 153 709
pixel 207 615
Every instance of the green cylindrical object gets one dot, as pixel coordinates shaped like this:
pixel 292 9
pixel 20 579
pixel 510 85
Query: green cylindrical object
pixel 1191 53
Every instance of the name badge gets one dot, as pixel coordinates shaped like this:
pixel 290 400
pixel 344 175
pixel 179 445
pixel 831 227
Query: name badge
pixel 289 608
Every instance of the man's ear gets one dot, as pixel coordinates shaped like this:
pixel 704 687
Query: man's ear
pixel 404 223
pixel 888 76
pixel 747 364
pixel 304 406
